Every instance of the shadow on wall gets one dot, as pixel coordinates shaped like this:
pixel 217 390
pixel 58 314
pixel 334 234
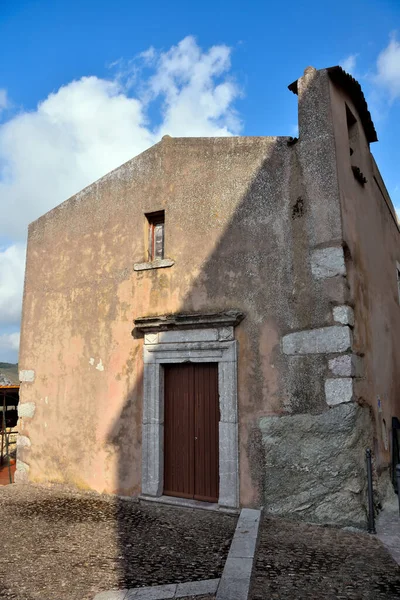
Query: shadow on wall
pixel 256 277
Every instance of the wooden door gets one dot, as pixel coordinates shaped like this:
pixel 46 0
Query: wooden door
pixel 191 417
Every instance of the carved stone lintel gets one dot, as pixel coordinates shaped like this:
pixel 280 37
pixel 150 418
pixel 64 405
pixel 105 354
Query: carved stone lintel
pixel 229 318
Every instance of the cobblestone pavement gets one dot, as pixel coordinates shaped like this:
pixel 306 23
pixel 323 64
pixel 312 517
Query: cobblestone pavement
pixel 297 560
pixel 59 544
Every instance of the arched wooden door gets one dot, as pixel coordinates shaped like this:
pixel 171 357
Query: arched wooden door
pixel 191 441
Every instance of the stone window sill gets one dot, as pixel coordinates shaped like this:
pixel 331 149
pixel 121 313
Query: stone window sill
pixel 156 264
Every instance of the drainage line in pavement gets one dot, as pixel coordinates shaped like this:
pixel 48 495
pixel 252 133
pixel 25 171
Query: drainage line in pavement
pixel 371 514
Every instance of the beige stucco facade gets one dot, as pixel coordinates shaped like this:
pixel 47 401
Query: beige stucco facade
pixel 277 230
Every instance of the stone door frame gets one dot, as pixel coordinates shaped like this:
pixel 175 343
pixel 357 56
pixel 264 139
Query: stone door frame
pixel 205 344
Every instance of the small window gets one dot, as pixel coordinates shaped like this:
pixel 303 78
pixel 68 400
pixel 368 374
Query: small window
pixel 352 130
pixel 398 279
pixel 156 227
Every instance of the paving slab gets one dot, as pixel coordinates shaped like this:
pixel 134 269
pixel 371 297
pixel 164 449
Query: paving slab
pixel 235 580
pixel 245 539
pixel 112 595
pixel 197 588
pixel 236 576
pixel 157 592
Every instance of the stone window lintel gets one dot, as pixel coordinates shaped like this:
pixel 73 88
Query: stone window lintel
pixel 155 264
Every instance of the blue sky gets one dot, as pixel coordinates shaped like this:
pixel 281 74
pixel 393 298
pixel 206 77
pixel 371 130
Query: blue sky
pixel 86 85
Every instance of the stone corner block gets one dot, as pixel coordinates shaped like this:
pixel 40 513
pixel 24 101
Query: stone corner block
pixel 344 315
pixel 347 365
pixel 318 341
pixel 21 477
pixel 341 366
pixel 339 390
pixel 23 441
pixel 26 409
pixel 328 262
pixel 22 466
pixel 27 375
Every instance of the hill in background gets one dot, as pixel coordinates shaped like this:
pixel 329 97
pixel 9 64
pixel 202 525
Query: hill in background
pixel 10 371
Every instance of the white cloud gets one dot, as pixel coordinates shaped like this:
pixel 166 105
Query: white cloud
pixel 388 69
pixel 185 78
pixel 90 126
pixel 9 345
pixel 349 63
pixel 12 264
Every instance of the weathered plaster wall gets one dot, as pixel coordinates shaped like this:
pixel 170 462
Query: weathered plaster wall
pixel 372 239
pixel 82 294
pixel 239 223
pixel 252 224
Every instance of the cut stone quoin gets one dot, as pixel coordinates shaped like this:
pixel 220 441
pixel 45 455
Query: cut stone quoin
pixel 328 262
pixel 339 390
pixel 344 315
pixel 26 409
pixel 324 340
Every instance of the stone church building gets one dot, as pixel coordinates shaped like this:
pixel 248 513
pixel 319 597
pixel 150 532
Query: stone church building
pixel 218 319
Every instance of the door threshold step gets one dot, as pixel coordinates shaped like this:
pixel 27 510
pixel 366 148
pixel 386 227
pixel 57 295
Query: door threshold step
pixel 187 503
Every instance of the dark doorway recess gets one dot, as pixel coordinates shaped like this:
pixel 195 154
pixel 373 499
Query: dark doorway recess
pixel 191 417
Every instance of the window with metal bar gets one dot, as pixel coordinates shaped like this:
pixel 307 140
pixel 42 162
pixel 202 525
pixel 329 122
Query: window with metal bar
pixel 156 231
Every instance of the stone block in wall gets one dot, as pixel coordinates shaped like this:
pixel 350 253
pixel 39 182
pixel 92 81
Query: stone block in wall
pixel 23 441
pixel 346 365
pixel 339 390
pixel 326 340
pixel 26 409
pixel 228 465
pixel 22 467
pixel 21 477
pixel 27 375
pixel 21 474
pixel 328 262
pixel 314 465
pixel 343 315
pixel 152 469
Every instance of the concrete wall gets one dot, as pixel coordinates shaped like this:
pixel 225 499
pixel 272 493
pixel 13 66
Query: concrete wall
pixel 372 242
